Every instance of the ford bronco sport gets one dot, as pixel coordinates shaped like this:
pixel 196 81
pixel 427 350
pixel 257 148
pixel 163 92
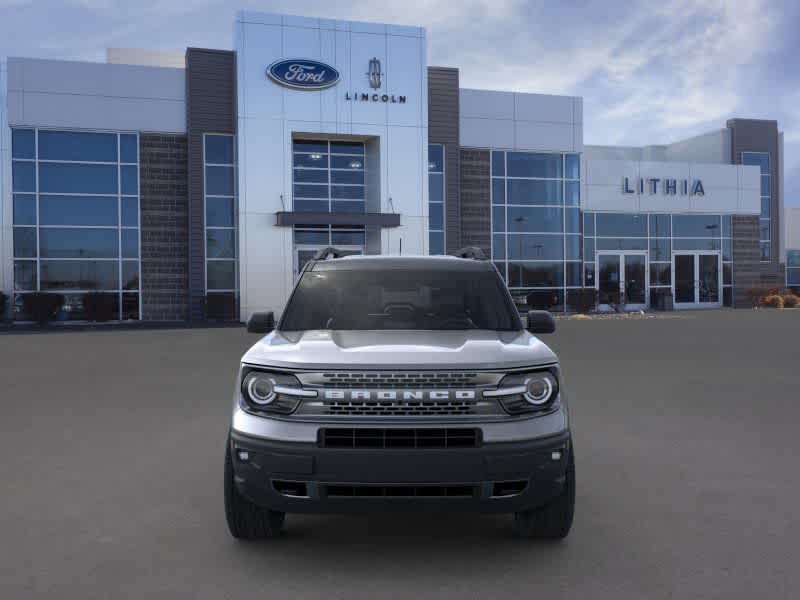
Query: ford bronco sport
pixel 397 382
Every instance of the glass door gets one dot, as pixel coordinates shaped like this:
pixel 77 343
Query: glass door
pixel 697 279
pixel 622 280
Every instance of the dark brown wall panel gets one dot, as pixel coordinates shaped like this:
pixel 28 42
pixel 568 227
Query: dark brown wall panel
pixel 475 200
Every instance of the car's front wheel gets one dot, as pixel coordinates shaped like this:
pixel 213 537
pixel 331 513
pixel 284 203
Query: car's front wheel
pixel 246 520
pixel 554 519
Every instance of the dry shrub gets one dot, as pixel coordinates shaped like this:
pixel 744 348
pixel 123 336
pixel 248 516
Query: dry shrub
pixel 773 301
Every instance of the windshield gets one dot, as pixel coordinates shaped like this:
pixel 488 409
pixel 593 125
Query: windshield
pixel 400 299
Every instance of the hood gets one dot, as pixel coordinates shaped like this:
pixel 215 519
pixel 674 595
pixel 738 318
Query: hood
pixel 326 349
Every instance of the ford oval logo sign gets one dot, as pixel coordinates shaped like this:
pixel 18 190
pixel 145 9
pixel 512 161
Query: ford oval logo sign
pixel 303 74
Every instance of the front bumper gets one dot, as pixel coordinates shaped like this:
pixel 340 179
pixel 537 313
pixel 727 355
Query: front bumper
pixel 494 477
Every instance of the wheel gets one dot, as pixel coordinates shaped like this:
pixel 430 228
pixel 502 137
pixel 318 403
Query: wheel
pixel 554 519
pixel 246 520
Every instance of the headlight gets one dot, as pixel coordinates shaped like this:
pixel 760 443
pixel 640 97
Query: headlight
pixel 526 392
pixel 264 391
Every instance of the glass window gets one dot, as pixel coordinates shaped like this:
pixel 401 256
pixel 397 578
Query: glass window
pixel 530 164
pixel 727 249
pixel 588 224
pixel 25 275
pixel 219 181
pixel 130 212
pixel 572 193
pixel 498 218
pixel 572 247
pixel 572 220
pixel 573 274
pixel 219 212
pixel 621 243
pixel 765 185
pixel 311 175
pixel 436 242
pixel 347 206
pixel 696 225
pixel 310 191
pixel 727 297
pixel 695 244
pixel 573 166
pixel 621 225
pixel 660 226
pixel 765 250
pixel 536 274
pixel 319 161
pixel 343 162
pixel 759 159
pixel 78 146
pixel 588 249
pixel 727 273
pixel 55 242
pixel 660 249
pixel 357 177
pixel 660 274
pixel 530 191
pixel 765 208
pixel 312 146
pixel 77 210
pixel 435 158
pixel 763 229
pixel 436 216
pixel 130 243
pixel 727 226
pixel 66 178
pixel 129 176
pixel 25 242
pixel 793 258
pixel 80 275
pixel 24 209
pixel 498 247
pixel 23 143
pixel 498 191
pixel 588 274
pixel 535 247
pixel 219 149
pixel 311 237
pixel 220 243
pixel 498 163
pixel 130 307
pixel 347 148
pixel 221 274
pixel 536 219
pixel 130 275
pixel 311 205
pixel 436 187
pixel 348 238
pixel 128 148
pixel 23 176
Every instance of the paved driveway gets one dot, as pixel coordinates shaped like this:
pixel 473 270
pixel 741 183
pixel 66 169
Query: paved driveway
pixel 688 484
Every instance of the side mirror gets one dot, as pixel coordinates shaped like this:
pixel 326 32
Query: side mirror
pixel 261 322
pixel 541 321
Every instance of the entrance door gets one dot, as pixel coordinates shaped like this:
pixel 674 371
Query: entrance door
pixel 697 279
pixel 622 279
pixel 303 254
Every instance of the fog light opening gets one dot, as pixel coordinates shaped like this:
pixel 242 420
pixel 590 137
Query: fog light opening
pixel 243 455
pixel 556 455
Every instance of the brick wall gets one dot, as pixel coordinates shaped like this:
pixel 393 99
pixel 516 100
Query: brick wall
pixel 476 220
pixel 165 227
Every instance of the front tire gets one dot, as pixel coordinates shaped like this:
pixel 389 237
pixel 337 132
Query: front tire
pixel 247 521
pixel 553 520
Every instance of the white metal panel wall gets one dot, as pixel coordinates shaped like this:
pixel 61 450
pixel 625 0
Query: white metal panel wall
pixel 729 189
pixel 269 115
pixel 6 205
pixel 791 227
pixel 83 95
pixel 491 119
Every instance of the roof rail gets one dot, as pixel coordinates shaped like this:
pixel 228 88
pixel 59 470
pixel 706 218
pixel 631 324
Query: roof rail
pixel 329 252
pixel 472 252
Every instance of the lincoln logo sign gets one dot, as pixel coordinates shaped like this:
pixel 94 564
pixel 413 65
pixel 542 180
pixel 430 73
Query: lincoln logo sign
pixel 667 186
pixel 302 74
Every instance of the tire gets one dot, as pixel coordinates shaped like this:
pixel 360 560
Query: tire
pixel 247 521
pixel 553 520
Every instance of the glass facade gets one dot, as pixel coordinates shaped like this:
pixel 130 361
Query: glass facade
pixel 221 223
pixel 761 160
pixel 436 199
pixel 536 225
pixel 328 176
pixel 660 235
pixel 76 219
pixel 793 268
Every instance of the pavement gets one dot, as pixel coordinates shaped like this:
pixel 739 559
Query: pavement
pixel 686 442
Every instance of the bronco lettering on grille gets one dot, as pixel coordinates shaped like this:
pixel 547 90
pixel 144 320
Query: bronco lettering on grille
pixel 399 395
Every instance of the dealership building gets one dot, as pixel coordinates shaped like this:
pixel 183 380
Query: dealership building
pixel 195 186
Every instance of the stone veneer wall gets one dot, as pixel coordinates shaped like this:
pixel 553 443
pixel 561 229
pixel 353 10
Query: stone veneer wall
pixel 164 227
pixel 476 205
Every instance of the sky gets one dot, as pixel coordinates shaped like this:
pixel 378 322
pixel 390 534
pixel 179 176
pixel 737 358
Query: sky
pixel 649 72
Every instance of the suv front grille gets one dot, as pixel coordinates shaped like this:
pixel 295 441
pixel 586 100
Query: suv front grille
pixel 398 438
pixel 400 491
pixel 396 408
pixel 383 380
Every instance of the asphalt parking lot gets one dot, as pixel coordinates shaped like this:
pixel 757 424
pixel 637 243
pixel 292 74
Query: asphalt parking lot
pixel 688 482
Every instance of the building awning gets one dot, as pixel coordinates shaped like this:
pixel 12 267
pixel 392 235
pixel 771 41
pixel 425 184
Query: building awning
pixel 287 219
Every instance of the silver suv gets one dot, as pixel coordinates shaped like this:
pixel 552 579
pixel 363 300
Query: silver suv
pixel 399 382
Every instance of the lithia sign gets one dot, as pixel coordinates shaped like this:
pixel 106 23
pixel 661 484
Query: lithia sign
pixel 306 74
pixel 667 186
